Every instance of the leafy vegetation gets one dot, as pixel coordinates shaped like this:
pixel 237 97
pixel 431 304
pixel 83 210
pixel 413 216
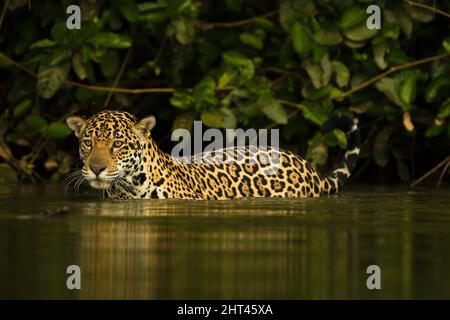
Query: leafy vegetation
pixel 232 63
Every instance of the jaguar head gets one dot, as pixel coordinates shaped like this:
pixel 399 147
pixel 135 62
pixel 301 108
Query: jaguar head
pixel 111 145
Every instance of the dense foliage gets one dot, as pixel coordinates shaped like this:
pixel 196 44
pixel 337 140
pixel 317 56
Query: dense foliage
pixel 231 63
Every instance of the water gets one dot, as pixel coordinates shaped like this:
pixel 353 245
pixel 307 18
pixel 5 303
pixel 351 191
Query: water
pixel 252 249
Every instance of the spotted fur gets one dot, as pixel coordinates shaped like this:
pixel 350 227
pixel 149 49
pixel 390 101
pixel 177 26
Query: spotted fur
pixel 121 158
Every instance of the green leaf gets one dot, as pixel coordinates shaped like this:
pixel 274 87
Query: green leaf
pixel 50 79
pixel 58 55
pixel 434 131
pixel 327 37
pixel 128 9
pixel 319 52
pixel 44 43
pixel 204 93
pixel 300 38
pixel 276 112
pixel 146 6
pixel 219 118
pixel 264 23
pixel 111 40
pixel 244 65
pixel 420 14
pixel 397 55
pixel 405 21
pixel 342 73
pixel 390 87
pixel 22 108
pixel 354 44
pixel 313 112
pixel 57 130
pixel 78 67
pixel 436 86
pixel 317 150
pixel 444 110
pixel 360 33
pixel 154 17
pixel 315 73
pixel 408 90
pixel 352 16
pixel 109 64
pixel 379 52
pixel 327 69
pixel 34 124
pixel 327 92
pixel 336 138
pixel 391 30
pixel 184 30
pixel 183 120
pixel 446 44
pixel 252 40
pixel 230 118
pixel 226 78
pixel 182 99
pixel 59 33
pixel 73 38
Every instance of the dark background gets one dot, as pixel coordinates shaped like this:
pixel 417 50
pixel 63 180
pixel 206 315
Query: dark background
pixel 247 64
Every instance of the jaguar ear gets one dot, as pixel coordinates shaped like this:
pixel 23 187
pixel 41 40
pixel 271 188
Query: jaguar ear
pixel 77 125
pixel 146 125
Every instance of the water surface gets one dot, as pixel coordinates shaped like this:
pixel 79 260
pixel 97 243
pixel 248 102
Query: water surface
pixel 239 249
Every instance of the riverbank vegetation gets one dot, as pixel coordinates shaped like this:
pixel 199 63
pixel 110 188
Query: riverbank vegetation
pixel 258 64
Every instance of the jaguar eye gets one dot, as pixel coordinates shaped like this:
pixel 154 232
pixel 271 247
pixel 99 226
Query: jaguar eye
pixel 117 144
pixel 87 142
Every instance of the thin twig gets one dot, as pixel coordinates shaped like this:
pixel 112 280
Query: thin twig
pixel 285 72
pixel 443 173
pixel 392 70
pixel 118 76
pixel 5 7
pixel 378 77
pixel 426 175
pixel 160 50
pixel 289 103
pixel 101 88
pixel 121 90
pixel 427 7
pixel 205 25
pixel 290 116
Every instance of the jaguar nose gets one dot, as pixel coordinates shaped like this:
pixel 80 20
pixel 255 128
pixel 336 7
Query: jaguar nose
pixel 97 168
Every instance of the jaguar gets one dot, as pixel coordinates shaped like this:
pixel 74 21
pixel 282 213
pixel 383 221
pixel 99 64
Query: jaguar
pixel 120 157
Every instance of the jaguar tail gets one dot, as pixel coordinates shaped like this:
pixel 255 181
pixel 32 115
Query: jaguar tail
pixel 336 179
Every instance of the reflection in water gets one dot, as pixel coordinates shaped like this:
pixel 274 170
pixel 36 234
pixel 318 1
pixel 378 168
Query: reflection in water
pixel 262 248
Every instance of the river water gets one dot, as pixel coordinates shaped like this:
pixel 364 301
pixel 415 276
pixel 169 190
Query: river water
pixel 237 249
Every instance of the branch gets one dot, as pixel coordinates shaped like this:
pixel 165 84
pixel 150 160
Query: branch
pixel 205 25
pixel 378 77
pixel 288 103
pixel 5 7
pixel 445 162
pixel 443 173
pixel 118 76
pixel 392 70
pixel 427 7
pixel 101 88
